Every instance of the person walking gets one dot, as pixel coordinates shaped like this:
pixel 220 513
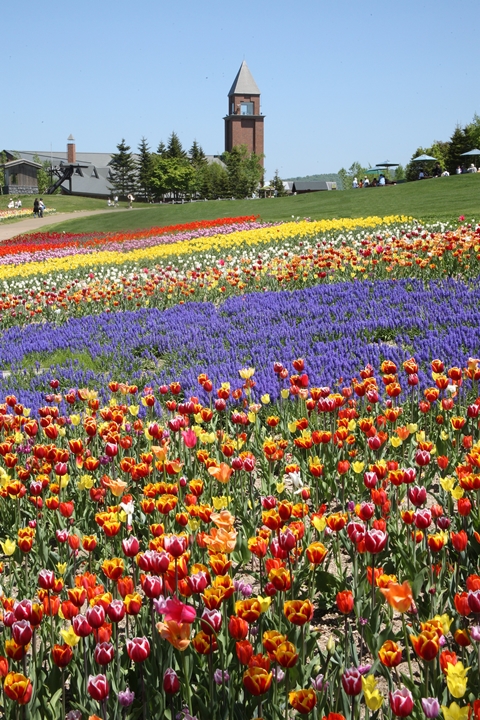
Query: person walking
pixel 36 207
pixel 41 207
pixel 130 199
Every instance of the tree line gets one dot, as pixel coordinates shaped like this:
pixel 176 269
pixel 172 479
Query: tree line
pixel 173 173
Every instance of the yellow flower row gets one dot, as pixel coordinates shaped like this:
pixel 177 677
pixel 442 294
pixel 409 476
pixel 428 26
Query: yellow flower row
pixel 275 234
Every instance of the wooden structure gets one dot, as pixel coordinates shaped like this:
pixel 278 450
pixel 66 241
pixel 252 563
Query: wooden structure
pixel 20 177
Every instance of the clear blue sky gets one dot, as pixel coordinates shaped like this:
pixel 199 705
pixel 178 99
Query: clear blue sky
pixel 339 80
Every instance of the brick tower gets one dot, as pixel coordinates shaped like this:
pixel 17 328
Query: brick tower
pixel 244 123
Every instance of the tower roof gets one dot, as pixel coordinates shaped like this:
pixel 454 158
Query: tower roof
pixel 244 84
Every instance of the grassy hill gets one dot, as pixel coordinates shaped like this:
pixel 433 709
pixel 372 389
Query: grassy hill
pixel 440 198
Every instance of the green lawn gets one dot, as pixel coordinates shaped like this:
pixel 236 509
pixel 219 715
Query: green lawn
pixel 441 198
pixel 62 203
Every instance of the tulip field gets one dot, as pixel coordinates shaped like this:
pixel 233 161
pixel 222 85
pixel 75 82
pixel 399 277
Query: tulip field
pixel 240 472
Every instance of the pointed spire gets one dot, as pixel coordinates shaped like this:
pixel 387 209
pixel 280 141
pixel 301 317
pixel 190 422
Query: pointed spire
pixel 244 84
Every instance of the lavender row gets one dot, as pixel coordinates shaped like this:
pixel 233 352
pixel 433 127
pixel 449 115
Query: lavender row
pixel 337 328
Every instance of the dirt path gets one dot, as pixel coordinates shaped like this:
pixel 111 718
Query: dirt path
pixel 10 230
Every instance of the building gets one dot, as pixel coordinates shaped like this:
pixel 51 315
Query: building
pixel 20 177
pixel 244 122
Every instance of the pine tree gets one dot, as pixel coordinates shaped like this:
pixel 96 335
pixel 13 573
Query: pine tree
pixel 122 171
pixel 144 169
pixel 197 156
pixel 162 149
pixel 174 147
pixel 277 185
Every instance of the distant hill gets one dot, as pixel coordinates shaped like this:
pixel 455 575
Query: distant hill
pixel 327 177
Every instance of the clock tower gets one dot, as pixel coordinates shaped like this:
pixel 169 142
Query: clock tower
pixel 244 122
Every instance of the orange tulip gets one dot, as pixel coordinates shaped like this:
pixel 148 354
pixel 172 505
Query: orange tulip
pixel 248 610
pixel 426 644
pixel 257 680
pixel 271 640
pixel 303 701
pixel 220 540
pixel 222 473
pixel 286 654
pixel 390 655
pixel 113 568
pixel 399 597
pixel 177 634
pixel 18 688
pixel 316 553
pixel 298 612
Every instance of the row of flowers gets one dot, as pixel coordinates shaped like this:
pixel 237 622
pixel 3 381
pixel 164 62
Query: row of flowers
pixel 210 267
pixel 386 319
pixel 204 542
pixel 32 247
pixel 22 213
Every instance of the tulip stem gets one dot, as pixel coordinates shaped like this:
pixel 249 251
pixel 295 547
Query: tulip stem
pixel 187 683
pixel 64 712
pixel 407 649
pixel 286 693
pixel 144 706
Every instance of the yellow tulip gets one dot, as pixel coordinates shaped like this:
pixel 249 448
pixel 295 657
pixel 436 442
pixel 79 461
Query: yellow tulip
pixel 8 546
pixel 457 679
pixel 69 636
pixel 455 712
pixel 265 603
pixel 373 697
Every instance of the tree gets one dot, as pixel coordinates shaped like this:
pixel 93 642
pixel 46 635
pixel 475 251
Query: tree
pixel 214 181
pixel 171 176
pixel 399 173
pixel 277 185
pixel 44 178
pixel 197 156
pixel 346 176
pixel 174 147
pixel 244 169
pixel 162 149
pixel 123 170
pixel 144 170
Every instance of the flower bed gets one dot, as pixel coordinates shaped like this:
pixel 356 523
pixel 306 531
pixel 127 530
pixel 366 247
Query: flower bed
pixel 204 544
pixel 210 267
pixel 184 539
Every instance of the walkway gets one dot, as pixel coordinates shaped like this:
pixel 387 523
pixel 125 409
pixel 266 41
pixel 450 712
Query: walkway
pixel 10 230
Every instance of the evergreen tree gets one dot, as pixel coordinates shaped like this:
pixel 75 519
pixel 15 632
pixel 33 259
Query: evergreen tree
pixel 399 173
pixel 197 156
pixel 144 169
pixel 174 147
pixel 162 149
pixel 123 171
pixel 277 185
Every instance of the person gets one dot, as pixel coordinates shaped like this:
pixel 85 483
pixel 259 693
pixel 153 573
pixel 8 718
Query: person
pixel 41 207
pixel 18 204
pixel 11 204
pixel 472 169
pixel 115 200
pixel 109 203
pixel 437 170
pixel 421 174
pixel 381 179
pixel 458 171
pixel 366 181
pixel 130 199
pixel 36 207
pixel 445 173
pixel 355 183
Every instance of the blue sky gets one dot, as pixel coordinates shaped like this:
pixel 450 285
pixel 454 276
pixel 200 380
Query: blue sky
pixel 340 81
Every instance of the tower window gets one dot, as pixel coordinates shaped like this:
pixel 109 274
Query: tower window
pixel 246 108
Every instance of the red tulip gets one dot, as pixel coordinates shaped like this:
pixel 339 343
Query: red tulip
pixel 98 687
pixel 138 649
pixel 104 653
pixel 401 702
pixel 171 683
pixel 352 681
